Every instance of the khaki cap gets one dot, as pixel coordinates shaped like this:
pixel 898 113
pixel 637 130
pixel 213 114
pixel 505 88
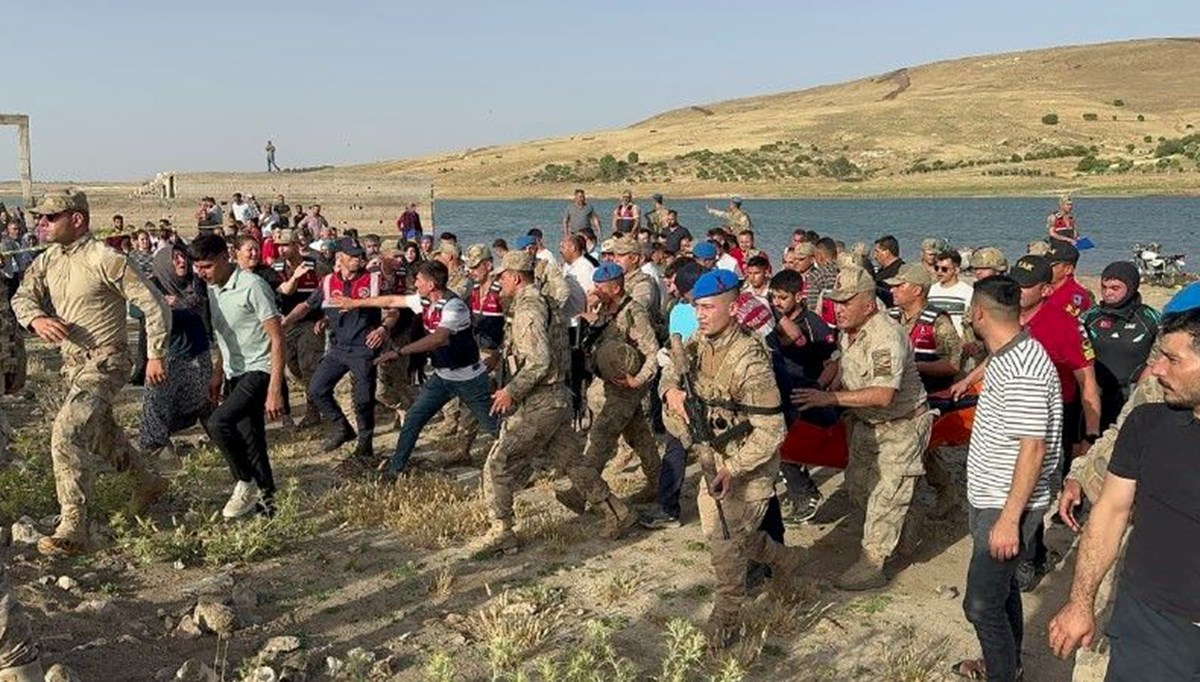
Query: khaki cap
pixel 932 245
pixel 911 273
pixel 476 254
pixel 989 257
pixel 517 260
pixel 284 236
pixel 61 200
pixel 607 245
pixel 450 249
pixel 803 249
pixel 626 245
pixel 851 281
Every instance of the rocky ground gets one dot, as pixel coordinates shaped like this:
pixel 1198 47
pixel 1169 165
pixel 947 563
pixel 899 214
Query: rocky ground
pixel 353 580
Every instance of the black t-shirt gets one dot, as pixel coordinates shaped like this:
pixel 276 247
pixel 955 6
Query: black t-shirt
pixel 675 237
pixel 1159 447
pixel 885 273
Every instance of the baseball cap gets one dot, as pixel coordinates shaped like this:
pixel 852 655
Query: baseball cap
pixel 989 257
pixel 1063 252
pixel 851 281
pixel 704 250
pixel 803 250
pixel 735 200
pixel 61 200
pixel 476 254
pixel 351 248
pixel 524 242
pixel 517 260
pixel 911 273
pixel 450 249
pixel 1031 270
pixel 933 245
pixel 715 282
pixel 607 272
pixel 658 198
pixel 626 245
pixel 1187 299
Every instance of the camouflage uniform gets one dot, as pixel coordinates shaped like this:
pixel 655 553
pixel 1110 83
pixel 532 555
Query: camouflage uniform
pixel 550 279
pixel 656 220
pixel 736 220
pixel 88 286
pixel 12 350
pixel 731 374
pixel 885 444
pixel 18 650
pixel 617 411
pixel 537 352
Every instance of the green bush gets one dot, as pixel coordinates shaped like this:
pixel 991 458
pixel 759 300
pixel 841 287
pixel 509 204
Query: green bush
pixel 1148 139
pixel 633 158
pixel 1090 117
pixel 1050 119
pixel 1141 118
pixel 1118 102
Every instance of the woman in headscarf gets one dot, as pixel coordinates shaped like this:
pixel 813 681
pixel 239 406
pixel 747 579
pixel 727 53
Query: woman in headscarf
pixel 183 399
pixel 1122 330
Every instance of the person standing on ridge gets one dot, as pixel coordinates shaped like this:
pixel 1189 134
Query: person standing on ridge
pixel 271 165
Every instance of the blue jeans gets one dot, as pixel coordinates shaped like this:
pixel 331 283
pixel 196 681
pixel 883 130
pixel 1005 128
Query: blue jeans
pixel 1149 644
pixel 993 601
pixel 475 393
pixel 670 477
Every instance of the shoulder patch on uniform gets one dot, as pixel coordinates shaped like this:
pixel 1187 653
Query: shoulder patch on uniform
pixel 881 363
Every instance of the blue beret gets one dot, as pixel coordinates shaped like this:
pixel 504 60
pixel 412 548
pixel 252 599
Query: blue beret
pixel 715 282
pixel 524 242
pixel 704 250
pixel 1187 299
pixel 607 272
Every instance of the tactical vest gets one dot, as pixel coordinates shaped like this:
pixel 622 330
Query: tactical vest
pixel 461 350
pixel 626 223
pixel 350 327
pixel 923 337
pixel 487 314
pixel 728 418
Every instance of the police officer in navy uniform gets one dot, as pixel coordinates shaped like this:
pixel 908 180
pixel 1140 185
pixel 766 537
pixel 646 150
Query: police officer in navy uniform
pixel 356 336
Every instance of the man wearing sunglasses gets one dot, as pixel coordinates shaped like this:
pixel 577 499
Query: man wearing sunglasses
pixel 949 293
pixel 75 296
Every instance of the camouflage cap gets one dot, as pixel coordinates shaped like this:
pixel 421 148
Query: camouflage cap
pixel 851 281
pixel 58 201
pixel 911 273
pixel 284 236
pixel 803 250
pixel 607 245
pixel 932 245
pixel 626 245
pixel 450 249
pixel 990 258
pixel 476 254
pixel 517 260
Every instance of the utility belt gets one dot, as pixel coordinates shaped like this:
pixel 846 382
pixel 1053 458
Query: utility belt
pixel 83 356
pixel 919 411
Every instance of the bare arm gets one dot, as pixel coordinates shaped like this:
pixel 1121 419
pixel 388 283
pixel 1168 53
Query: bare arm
pixel 274 330
pixel 297 313
pixel 430 342
pixel 1089 390
pixel 1102 537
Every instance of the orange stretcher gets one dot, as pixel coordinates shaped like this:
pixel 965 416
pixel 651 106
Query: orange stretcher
pixel 827 446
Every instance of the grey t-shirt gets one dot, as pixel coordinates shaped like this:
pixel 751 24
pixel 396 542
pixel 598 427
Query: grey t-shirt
pixel 579 217
pixel 238 311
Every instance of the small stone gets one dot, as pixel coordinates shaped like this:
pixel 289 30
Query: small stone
pixel 215 618
pixel 187 628
pixel 68 583
pixel 94 644
pixel 947 592
pixel 25 532
pixel 46 580
pixel 218 584
pixel 164 675
pixel 179 566
pixel 5 537
pixel 281 645
pixel 264 674
pixel 96 607
pixel 334 666
pixel 127 639
pixel 195 671
pixel 61 673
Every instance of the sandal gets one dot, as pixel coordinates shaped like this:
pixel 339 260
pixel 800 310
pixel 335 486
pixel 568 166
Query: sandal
pixel 970 668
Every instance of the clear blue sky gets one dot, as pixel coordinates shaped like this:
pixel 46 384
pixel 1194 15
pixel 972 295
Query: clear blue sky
pixel 122 89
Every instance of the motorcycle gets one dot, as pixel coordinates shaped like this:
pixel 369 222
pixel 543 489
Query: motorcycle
pixel 1155 268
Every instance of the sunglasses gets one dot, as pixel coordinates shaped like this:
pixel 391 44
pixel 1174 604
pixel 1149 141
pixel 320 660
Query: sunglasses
pixel 945 268
pixel 53 216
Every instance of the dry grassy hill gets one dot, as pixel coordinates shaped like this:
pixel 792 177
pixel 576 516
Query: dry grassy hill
pixel 969 124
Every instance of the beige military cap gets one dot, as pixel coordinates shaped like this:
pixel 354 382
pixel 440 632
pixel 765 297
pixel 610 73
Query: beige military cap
pixel 851 281
pixel 517 260
pixel 476 254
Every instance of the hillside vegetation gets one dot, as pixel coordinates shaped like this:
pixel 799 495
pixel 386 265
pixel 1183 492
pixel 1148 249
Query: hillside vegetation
pixel 1114 117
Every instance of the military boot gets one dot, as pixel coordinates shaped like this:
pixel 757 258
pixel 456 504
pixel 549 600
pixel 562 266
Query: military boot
pixel 311 418
pixel 500 539
pixel 150 487
pixel 865 574
pixel 572 499
pixel 617 518
pixel 340 433
pixel 71 536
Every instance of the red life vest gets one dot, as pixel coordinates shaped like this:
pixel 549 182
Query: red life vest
pixel 922 336
pixel 625 219
pixel 1064 225
pixel 364 285
pixel 486 303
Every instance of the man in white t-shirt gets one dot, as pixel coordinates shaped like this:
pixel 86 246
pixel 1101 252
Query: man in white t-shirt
pixel 577 269
pixel 950 294
pixel 242 209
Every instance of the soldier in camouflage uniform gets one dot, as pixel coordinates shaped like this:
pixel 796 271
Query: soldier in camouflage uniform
pixel 730 372
pixel 75 296
pixel 548 277
pixel 627 253
pixel 623 362
pixel 656 218
pixel 734 219
pixel 538 405
pixel 12 350
pixel 888 421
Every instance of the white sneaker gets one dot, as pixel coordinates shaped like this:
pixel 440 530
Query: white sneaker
pixel 242 501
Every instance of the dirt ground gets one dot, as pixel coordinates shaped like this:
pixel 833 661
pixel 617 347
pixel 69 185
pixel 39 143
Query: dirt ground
pixel 379 584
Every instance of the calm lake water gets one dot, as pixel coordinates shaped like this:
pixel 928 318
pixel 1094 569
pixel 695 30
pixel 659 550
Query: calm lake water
pixel 1008 223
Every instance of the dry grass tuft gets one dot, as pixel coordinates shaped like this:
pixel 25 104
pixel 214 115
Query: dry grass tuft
pixel 442 584
pixel 623 584
pixel 913 660
pixel 787 611
pixel 538 524
pixel 430 510
pixel 516 623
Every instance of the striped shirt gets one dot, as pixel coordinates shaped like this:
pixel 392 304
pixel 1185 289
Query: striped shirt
pixel 1021 398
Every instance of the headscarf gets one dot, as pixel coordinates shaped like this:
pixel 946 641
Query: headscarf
pixel 162 267
pixel 1127 273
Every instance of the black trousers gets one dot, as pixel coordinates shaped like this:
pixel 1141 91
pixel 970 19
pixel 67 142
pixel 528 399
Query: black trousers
pixel 238 427
pixel 1148 644
pixel 337 363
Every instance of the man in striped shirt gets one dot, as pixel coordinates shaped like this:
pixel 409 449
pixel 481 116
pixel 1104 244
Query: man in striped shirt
pixel 1015 447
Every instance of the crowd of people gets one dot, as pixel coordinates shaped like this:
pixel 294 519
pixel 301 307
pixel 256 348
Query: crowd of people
pixel 676 346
